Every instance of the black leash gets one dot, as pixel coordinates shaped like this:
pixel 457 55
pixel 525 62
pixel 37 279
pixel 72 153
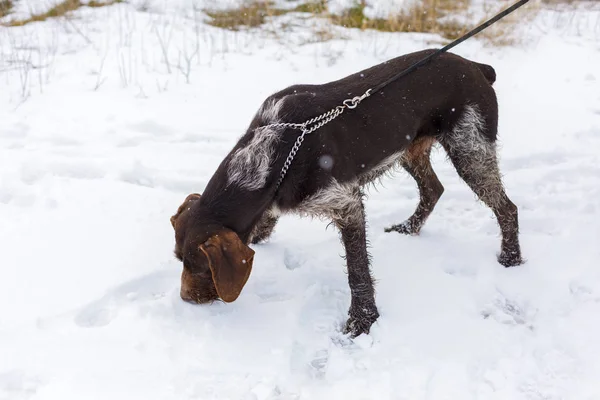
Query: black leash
pixel 315 123
pixel 451 45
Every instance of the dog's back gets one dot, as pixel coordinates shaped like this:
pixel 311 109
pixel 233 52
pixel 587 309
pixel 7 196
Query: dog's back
pixel 449 100
pixel 487 71
pixel 363 143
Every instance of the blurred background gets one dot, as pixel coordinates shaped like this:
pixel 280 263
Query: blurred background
pixel 139 37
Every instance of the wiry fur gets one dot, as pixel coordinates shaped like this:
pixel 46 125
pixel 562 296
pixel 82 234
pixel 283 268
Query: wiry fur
pixel 351 223
pixel 270 109
pixel 386 167
pixel 337 202
pixel 474 157
pixel 344 201
pixel 250 165
pixel 343 205
pixel 265 226
pixel 449 100
pixel 417 163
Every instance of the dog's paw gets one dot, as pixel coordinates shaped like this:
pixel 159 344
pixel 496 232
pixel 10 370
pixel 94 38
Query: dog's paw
pixel 360 321
pixel 258 240
pixel 405 228
pixel 510 259
pixel 260 237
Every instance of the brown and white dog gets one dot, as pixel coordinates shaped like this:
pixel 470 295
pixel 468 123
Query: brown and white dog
pixel 450 101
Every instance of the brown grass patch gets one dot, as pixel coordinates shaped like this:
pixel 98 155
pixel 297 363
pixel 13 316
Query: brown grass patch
pixel 428 16
pixel 61 10
pixel 505 32
pixel 247 16
pixel 443 17
pixel 5 7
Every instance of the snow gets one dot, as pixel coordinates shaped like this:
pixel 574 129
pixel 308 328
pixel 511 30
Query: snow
pixel 107 143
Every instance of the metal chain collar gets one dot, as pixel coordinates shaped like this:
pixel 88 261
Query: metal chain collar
pixel 312 125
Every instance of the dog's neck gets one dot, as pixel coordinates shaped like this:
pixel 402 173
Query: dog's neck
pixel 234 207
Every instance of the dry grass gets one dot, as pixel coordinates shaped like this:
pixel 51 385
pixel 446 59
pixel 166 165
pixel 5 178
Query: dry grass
pixel 429 16
pixel 255 13
pixel 5 7
pixel 426 17
pixel 312 7
pixel 443 17
pixel 247 16
pixel 61 10
pixel 571 1
pixel 505 32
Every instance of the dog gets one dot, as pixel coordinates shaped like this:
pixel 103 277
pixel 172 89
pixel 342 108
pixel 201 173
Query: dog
pixel 449 101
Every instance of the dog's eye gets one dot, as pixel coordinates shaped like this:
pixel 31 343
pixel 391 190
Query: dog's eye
pixel 204 274
pixel 196 270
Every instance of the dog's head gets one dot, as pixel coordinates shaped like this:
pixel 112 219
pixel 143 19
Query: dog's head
pixel 216 263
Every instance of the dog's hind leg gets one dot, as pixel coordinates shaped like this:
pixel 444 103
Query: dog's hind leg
pixel 474 157
pixel 417 163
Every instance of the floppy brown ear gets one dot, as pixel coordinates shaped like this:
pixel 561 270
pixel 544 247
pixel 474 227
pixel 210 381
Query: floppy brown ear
pixel 184 206
pixel 230 262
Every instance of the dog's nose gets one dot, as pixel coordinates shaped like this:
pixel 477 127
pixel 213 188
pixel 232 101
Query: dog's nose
pixel 185 296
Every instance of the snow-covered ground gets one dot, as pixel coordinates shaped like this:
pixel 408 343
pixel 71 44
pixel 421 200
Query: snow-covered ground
pixel 100 143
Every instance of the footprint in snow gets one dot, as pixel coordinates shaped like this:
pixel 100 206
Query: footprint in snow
pixel 139 292
pixel 19 130
pixel 78 170
pixel 5 196
pixel 309 362
pixel 17 385
pixel 131 141
pixel 65 141
pixel 293 259
pixel 460 270
pixel 139 174
pixel 269 291
pixel 318 331
pixel 151 127
pixel 31 174
pixel 509 312
pixel 583 292
pixel 97 314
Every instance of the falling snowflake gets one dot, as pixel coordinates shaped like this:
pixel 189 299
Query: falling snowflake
pixel 326 162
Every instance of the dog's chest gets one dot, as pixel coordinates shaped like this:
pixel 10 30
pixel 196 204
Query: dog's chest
pixel 345 198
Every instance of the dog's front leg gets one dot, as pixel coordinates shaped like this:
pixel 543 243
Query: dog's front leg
pixel 265 227
pixel 351 223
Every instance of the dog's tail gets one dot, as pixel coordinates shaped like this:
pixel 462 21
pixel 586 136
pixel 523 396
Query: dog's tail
pixel 487 71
